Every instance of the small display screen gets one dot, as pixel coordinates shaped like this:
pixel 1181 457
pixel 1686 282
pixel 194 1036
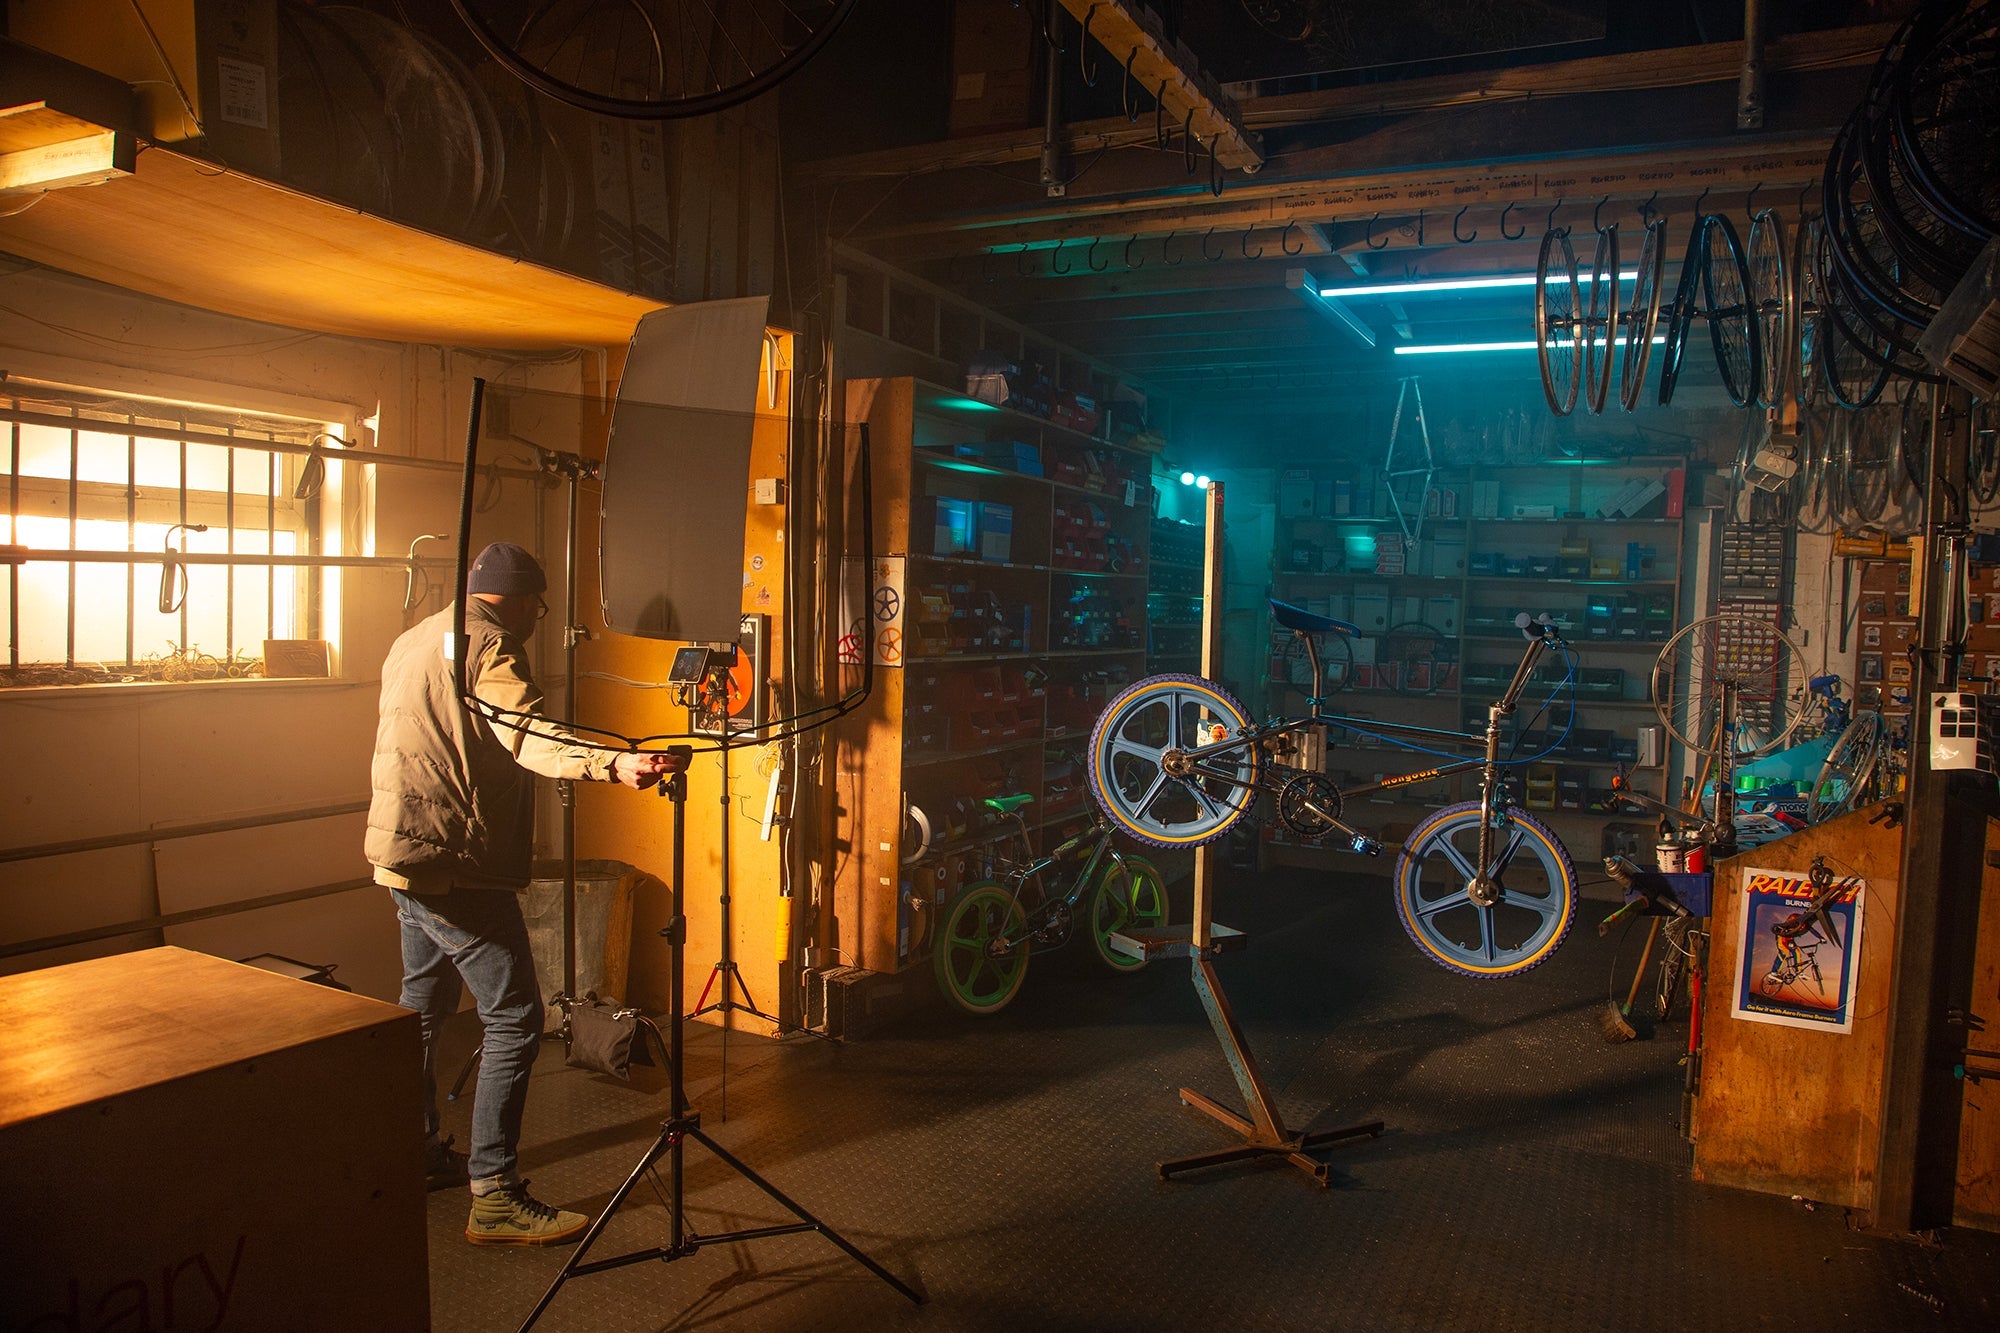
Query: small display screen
pixel 690 665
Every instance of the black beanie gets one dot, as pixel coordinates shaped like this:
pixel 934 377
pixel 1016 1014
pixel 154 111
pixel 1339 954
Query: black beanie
pixel 506 568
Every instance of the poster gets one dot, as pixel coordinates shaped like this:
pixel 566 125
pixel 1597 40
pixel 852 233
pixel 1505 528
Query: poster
pixel 1794 966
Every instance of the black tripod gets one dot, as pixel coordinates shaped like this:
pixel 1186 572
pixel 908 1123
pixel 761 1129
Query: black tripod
pixel 682 1123
pixel 715 703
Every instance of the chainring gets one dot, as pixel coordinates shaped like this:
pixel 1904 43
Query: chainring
pixel 1302 800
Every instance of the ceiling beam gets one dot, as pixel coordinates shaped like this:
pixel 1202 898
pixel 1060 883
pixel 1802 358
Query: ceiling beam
pixel 1305 286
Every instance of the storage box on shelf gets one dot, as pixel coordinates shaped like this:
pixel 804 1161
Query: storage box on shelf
pixel 1596 544
pixel 1024 606
pixel 1173 597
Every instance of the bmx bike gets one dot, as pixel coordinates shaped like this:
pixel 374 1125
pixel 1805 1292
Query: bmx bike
pixel 990 926
pixel 1481 887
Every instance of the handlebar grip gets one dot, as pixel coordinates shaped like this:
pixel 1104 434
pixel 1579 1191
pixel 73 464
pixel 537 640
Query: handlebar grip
pixel 1542 626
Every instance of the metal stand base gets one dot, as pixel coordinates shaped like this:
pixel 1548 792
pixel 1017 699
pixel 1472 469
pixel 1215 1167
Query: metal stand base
pixel 1293 1148
pixel 684 1242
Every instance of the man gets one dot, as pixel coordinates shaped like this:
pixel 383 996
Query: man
pixel 451 836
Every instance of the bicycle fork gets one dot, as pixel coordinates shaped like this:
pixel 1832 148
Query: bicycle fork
pixel 1484 890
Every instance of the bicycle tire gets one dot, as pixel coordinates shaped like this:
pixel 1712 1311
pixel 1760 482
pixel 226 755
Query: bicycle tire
pixel 1127 776
pixel 1805 365
pixel 1680 315
pixel 1812 494
pixel 1865 471
pixel 1437 914
pixel 1936 91
pixel 1674 971
pixel 1910 489
pixel 752 81
pixel 1336 665
pixel 975 979
pixel 1848 769
pixel 1726 305
pixel 1642 315
pixel 1767 256
pixel 1983 467
pixel 1558 323
pixel 1134 895
pixel 1600 323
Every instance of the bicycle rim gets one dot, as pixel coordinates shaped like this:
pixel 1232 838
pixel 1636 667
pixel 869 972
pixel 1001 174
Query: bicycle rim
pixel 1725 302
pixel 1520 931
pixel 1767 255
pixel 1558 322
pixel 1642 316
pixel 1600 324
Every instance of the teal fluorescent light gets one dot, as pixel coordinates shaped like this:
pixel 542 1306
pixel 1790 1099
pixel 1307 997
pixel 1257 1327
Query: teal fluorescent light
pixel 1526 345
pixel 1428 286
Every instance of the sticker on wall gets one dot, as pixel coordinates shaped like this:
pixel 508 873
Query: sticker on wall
pixel 1796 965
pixel 876 618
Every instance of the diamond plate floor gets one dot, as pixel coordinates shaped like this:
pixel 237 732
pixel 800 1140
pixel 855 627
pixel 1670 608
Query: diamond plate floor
pixel 1532 1176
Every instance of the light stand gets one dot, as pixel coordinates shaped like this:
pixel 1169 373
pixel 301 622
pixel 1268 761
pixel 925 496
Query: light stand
pixel 715 702
pixel 684 1123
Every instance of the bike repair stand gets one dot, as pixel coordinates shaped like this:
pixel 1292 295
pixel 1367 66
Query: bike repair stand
pixel 1263 1132
pixel 683 1122
pixel 715 702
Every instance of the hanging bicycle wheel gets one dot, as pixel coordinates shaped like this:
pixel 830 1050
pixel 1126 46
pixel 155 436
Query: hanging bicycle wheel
pixel 1413 658
pixel 1846 775
pixel 1867 466
pixel 686 57
pixel 1162 764
pixel 1717 659
pixel 1558 322
pixel 1642 315
pixel 1600 321
pixel 1499 923
pixel 1680 315
pixel 1126 897
pixel 1812 488
pixel 1292 666
pixel 1910 479
pixel 1982 469
pixel 975 969
pixel 1768 258
pixel 1804 359
pixel 1946 110
pixel 1725 303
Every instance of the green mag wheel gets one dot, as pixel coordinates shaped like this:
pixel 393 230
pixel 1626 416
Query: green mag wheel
pixel 973 970
pixel 1129 892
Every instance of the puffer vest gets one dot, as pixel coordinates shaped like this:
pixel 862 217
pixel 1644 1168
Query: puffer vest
pixel 447 793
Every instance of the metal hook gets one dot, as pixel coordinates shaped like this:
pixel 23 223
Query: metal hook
pixel 1518 232
pixel 1128 253
pixel 1021 268
pixel 1368 235
pixel 1244 245
pixel 1596 225
pixel 1187 142
pixel 1160 136
pixel 1125 90
pixel 1552 215
pixel 1420 229
pixel 1166 248
pixel 1088 71
pixel 1090 258
pixel 1048 25
pixel 1289 224
pixel 1054 255
pixel 1214 168
pixel 1750 201
pixel 1455 234
pixel 1805 190
pixel 1211 258
pixel 1699 200
pixel 986 265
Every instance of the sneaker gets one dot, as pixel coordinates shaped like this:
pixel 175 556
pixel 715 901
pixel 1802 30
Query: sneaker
pixel 445 1166
pixel 512 1216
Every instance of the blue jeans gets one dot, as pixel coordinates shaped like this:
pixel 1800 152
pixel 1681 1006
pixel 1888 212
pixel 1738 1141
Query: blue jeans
pixel 477 935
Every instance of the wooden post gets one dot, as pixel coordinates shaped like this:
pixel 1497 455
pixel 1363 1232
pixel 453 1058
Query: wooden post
pixel 1211 669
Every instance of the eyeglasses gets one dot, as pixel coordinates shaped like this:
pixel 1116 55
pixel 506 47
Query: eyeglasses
pixel 541 608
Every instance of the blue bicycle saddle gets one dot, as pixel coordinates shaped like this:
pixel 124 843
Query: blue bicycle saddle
pixel 1297 617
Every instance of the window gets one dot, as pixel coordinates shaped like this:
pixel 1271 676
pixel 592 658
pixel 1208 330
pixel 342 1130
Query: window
pixel 101 489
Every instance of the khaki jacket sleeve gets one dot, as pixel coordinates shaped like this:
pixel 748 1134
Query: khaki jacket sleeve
pixel 503 681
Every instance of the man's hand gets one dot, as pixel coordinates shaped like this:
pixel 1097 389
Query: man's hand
pixel 641 770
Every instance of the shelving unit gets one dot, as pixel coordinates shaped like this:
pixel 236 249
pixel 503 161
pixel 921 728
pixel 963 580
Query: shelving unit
pixel 1438 640
pixel 1173 597
pixel 1025 561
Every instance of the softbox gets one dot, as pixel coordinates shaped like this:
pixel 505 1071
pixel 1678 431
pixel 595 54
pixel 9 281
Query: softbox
pixel 677 473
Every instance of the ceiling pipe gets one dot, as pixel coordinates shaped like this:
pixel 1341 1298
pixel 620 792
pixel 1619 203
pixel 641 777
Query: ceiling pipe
pixel 1053 183
pixel 1750 80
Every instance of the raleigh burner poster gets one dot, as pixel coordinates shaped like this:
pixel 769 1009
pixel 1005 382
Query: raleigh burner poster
pixel 1794 966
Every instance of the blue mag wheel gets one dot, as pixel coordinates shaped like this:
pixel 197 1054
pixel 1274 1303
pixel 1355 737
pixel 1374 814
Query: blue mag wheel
pixel 1128 756
pixel 1519 931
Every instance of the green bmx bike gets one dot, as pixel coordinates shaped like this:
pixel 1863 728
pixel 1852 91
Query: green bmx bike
pixel 990 926
pixel 1482 887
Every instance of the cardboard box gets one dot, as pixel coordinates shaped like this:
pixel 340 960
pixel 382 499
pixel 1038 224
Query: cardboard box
pixel 996 531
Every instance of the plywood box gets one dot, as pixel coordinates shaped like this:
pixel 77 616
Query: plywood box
pixel 201 1144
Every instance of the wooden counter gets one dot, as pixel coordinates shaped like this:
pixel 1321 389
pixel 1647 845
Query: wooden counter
pixel 187 1142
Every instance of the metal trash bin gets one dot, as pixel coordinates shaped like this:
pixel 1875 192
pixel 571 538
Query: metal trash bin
pixel 603 928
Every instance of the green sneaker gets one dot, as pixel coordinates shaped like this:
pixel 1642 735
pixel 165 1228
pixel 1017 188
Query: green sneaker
pixel 512 1216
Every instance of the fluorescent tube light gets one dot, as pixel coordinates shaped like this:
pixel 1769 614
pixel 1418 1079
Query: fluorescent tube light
pixel 1427 286
pixel 1528 345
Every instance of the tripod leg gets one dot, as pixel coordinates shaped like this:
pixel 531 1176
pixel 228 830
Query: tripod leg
pixel 805 1216
pixel 464 1073
pixel 661 1145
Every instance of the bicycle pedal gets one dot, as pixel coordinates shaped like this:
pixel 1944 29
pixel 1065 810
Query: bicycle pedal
pixel 1365 846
